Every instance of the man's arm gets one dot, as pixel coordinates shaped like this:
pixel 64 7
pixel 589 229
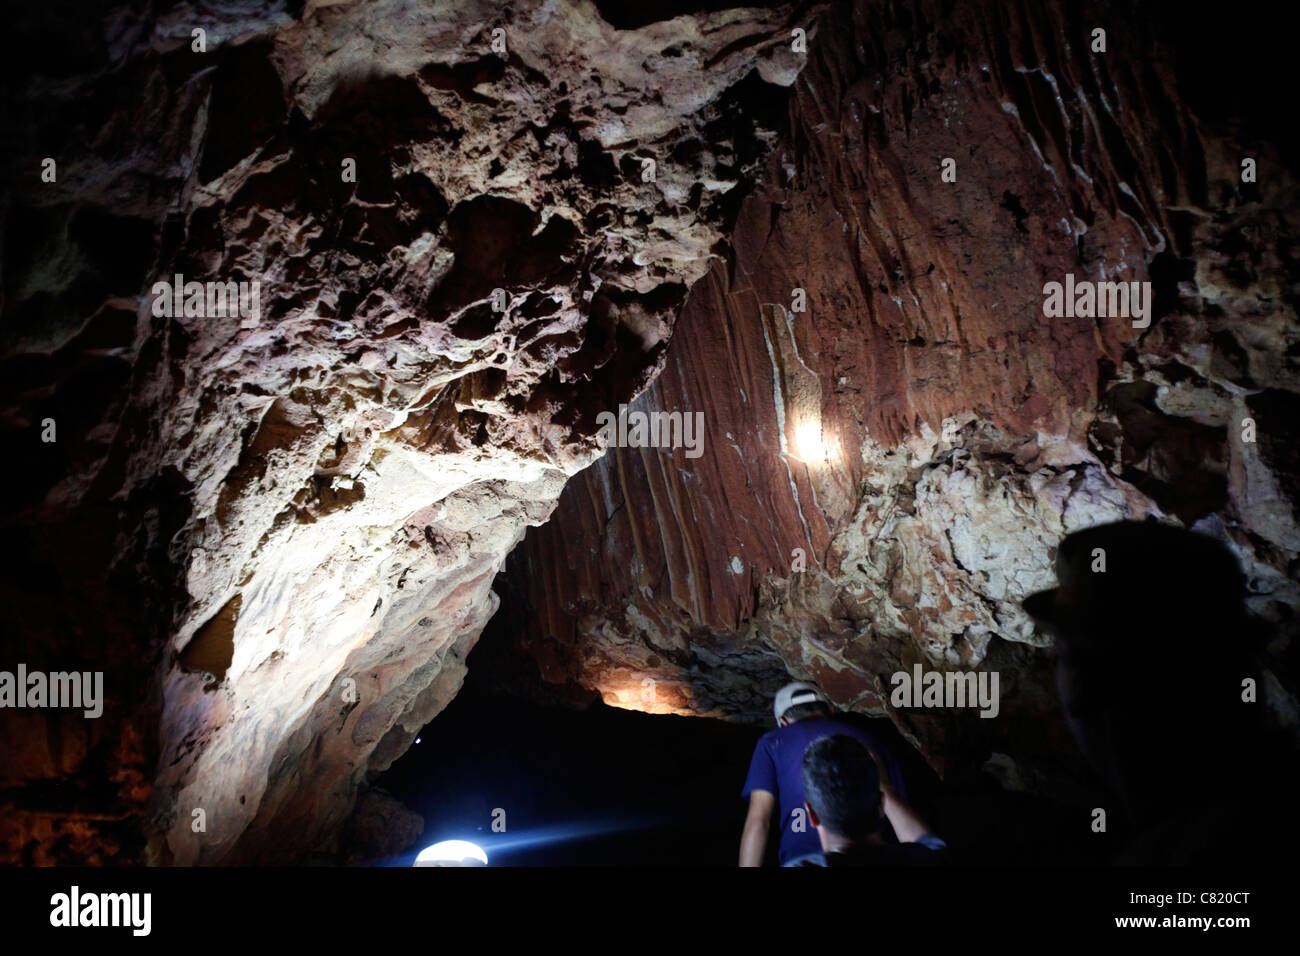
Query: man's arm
pixel 908 827
pixel 753 840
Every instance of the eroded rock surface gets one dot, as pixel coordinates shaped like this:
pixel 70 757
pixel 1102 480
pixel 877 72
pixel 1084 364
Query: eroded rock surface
pixel 887 473
pixel 277 534
pixel 277 537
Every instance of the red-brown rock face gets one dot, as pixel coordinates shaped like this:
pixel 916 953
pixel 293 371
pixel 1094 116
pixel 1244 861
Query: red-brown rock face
pixel 886 473
pixel 475 228
pixel 276 531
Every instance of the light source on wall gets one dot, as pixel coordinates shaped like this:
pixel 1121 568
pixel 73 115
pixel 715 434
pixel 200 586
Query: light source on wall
pixel 644 694
pixel 808 442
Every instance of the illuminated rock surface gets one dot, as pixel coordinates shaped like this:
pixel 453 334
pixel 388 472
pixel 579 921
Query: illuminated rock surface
pixel 279 541
pixel 669 583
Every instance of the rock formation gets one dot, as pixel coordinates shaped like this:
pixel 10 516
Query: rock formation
pixel 473 229
pixel 276 532
pixel 897 436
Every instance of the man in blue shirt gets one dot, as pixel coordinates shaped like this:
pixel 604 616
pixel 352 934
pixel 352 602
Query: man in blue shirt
pixel 775 780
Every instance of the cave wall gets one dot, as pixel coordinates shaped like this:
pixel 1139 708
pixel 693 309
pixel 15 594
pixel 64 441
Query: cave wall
pixel 276 536
pixel 278 539
pixel 887 473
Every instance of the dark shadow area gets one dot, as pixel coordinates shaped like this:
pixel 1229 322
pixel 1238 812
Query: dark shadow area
pixel 580 783
pixel 595 787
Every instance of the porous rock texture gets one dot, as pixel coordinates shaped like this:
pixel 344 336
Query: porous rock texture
pixel 888 472
pixel 277 536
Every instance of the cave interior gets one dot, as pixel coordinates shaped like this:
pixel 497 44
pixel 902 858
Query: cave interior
pixel 448 420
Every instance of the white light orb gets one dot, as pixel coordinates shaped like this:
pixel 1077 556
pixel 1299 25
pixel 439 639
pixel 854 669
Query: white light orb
pixel 452 853
pixel 808 441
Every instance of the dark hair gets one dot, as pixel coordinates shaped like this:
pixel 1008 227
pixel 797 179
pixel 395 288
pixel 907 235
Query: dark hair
pixel 842 785
pixel 813 708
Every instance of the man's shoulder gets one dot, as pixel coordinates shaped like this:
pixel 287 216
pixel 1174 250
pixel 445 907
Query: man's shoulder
pixel 802 728
pixel 779 740
pixel 817 727
pixel 929 850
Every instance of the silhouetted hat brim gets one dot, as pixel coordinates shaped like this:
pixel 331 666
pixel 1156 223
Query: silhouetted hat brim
pixel 1129 574
pixel 1042 606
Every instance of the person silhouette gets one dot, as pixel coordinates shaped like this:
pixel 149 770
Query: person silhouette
pixel 1156 653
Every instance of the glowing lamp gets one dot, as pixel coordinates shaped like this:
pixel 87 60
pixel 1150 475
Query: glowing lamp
pixel 452 853
pixel 808 441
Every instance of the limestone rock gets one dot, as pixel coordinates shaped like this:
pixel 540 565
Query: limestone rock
pixel 470 228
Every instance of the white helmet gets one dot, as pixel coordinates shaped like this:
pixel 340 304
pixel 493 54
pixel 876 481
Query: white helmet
pixel 797 692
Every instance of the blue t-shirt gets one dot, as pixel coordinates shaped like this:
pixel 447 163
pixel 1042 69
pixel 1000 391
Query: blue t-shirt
pixel 928 850
pixel 777 767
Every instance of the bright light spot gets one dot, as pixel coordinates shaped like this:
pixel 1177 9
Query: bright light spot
pixel 417 740
pixel 631 695
pixel 808 442
pixel 452 853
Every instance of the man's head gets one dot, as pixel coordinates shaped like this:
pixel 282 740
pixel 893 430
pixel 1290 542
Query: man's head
pixel 1141 583
pixel 797 701
pixel 1153 641
pixel 841 789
